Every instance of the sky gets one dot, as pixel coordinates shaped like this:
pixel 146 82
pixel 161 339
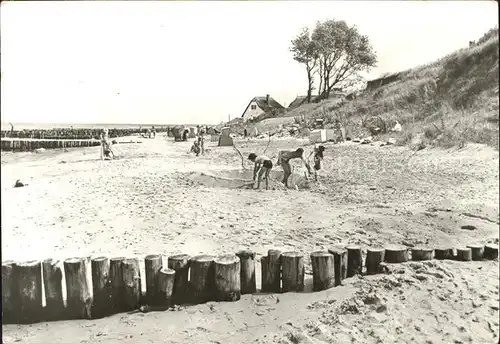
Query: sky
pixel 163 62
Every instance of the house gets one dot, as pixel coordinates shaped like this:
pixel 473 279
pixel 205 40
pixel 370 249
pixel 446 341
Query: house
pixel 301 100
pixel 335 94
pixel 259 106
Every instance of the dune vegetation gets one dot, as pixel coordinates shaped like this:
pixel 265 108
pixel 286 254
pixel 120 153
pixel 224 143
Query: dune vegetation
pixel 445 103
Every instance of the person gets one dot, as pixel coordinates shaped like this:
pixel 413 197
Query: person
pixel 195 148
pixel 263 166
pixel 153 132
pixel 318 156
pixel 106 151
pixel 284 158
pixel 201 141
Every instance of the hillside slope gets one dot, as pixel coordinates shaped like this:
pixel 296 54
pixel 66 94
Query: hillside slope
pixel 448 102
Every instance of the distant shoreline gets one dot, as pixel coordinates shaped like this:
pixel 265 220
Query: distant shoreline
pixel 39 126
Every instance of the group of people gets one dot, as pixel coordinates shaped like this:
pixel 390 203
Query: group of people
pixel 199 143
pixel 263 164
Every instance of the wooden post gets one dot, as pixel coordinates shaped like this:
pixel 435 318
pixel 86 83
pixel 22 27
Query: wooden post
pixel 490 251
pixel 374 257
pixel 10 300
pixel 202 278
pixel 117 287
pixel 323 270
pixel 52 281
pixel 421 253
pixel 132 283
pixel 477 251
pixel 165 287
pixel 101 287
pixel 247 273
pixel 464 254
pixel 292 271
pixel 180 264
pixel 29 285
pixel 396 254
pixel 78 296
pixel 227 278
pixel 152 264
pixel 354 261
pixel 271 272
pixel 339 263
pixel 443 253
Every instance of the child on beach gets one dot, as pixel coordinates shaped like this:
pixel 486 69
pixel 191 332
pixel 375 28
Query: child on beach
pixel 318 156
pixel 263 166
pixel 284 158
pixel 195 148
pixel 106 151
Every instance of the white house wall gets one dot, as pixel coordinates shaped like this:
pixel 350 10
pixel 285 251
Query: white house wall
pixel 249 113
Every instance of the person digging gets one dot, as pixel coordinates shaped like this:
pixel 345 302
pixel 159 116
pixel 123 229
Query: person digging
pixel 262 167
pixel 284 158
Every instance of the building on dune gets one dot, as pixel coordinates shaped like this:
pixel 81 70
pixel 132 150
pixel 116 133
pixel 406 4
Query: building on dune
pixel 300 100
pixel 335 94
pixel 260 107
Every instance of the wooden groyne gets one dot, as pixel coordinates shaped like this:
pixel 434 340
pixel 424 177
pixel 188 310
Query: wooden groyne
pixel 24 145
pixel 115 284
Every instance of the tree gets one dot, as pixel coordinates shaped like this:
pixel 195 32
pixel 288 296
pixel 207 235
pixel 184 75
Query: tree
pixel 342 52
pixel 304 51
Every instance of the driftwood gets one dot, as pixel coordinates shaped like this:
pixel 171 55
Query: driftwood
pixel 323 270
pixel 241 156
pixel 268 142
pixel 247 273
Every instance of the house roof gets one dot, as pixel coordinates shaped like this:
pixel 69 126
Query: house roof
pixel 300 100
pixel 262 103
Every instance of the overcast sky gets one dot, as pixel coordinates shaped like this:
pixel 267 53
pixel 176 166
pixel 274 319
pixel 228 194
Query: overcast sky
pixel 197 62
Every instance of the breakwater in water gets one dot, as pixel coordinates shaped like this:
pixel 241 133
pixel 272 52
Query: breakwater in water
pixel 75 134
pixel 23 145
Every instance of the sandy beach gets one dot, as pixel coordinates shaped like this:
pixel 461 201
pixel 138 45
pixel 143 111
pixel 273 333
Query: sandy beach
pixel 158 198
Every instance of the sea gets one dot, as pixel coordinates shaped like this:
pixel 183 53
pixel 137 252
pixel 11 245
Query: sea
pixel 34 126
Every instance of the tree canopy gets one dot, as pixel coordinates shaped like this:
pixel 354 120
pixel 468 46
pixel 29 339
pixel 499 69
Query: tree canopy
pixel 334 52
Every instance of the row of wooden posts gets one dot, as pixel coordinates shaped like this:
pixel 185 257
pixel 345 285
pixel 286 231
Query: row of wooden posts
pixel 21 145
pixel 115 285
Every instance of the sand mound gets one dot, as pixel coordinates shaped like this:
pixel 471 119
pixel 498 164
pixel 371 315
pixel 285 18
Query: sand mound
pixel 242 179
